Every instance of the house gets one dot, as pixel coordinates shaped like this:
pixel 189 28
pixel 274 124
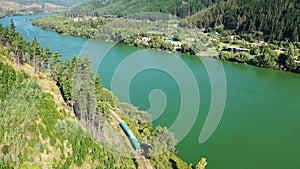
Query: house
pixel 263 43
pixel 146 39
pixel 213 33
pixel 236 50
pixel 297 61
pixel 176 44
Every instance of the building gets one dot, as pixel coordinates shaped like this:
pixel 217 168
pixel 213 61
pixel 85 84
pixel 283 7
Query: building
pixel 297 61
pixel 236 50
pixel 145 39
pixel 176 44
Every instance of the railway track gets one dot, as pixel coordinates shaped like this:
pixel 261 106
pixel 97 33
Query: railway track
pixel 143 163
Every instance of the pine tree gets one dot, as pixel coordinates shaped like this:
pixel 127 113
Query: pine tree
pixel 47 58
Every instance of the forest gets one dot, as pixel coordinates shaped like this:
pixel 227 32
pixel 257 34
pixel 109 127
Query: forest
pixel 41 131
pixel 124 7
pixel 272 20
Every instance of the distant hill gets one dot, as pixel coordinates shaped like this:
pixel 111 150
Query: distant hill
pixel 181 8
pixel 277 19
pixel 64 3
pixel 25 7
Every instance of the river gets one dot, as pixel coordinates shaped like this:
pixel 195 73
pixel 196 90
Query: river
pixel 260 125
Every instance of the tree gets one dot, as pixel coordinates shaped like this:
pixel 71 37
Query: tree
pixel 35 54
pixel 268 58
pixel 201 164
pixel 54 64
pixel 18 47
pixel 47 58
pixel 290 57
pixel 242 57
pixel 225 55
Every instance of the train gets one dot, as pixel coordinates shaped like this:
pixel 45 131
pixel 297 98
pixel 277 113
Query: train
pixel 136 145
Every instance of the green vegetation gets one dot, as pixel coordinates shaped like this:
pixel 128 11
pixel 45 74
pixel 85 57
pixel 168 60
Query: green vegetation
pixel 34 131
pixel 280 56
pixel 161 34
pixel 267 20
pixel 64 3
pixel 37 131
pixel 124 7
pixel 27 7
pixel 245 25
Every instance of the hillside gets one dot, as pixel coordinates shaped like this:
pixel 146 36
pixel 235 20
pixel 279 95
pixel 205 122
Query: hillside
pixel 36 132
pixel 63 3
pixel 180 8
pixel 38 129
pixel 26 7
pixel 276 19
pixel 57 114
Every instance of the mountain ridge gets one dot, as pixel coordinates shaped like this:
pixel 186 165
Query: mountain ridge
pixel 180 8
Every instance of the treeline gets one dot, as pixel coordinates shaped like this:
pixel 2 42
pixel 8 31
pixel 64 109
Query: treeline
pixel 87 28
pixel 127 31
pixel 267 56
pixel 86 97
pixel 122 8
pixel 278 20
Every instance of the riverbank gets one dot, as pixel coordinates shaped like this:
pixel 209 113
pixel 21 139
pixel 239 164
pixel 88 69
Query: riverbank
pixel 170 36
pixel 162 34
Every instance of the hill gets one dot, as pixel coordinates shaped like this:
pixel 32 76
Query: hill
pixel 180 8
pixel 276 19
pixel 26 7
pixel 63 3
pixel 57 114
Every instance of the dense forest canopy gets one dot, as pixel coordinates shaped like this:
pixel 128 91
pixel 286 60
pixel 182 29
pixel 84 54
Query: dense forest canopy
pixel 277 19
pixel 179 8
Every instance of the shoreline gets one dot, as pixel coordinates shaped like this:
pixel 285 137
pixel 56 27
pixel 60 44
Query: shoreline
pixel 200 54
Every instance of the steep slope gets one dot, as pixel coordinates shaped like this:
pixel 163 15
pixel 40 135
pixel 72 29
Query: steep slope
pixel 35 132
pixel 277 19
pixel 180 8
